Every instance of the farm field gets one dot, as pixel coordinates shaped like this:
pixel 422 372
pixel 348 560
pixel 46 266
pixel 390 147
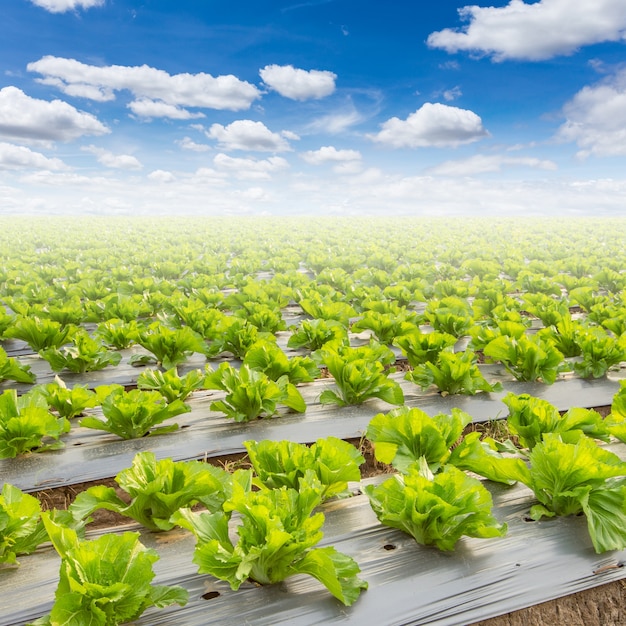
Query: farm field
pixel 480 358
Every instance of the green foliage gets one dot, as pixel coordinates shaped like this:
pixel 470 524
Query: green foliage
pixel 268 358
pixel 67 402
pixel 106 581
pixel 385 326
pixel 328 310
pixel 451 315
pixel 317 333
pixel 276 540
pixel 27 425
pixel 436 510
pixel 40 334
pixel 21 529
pixel 11 369
pixel 251 393
pixel 599 351
pixel 404 435
pixel 453 372
pixel 170 346
pixel 135 413
pixel 285 463
pixel 421 347
pixel 157 489
pixel 237 336
pixel 169 384
pixel 118 333
pixel 482 334
pixel 526 358
pixel 360 374
pixel 264 317
pixel 581 477
pixel 85 354
pixel 530 418
pixel 616 420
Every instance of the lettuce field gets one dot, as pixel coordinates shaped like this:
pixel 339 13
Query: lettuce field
pixel 478 364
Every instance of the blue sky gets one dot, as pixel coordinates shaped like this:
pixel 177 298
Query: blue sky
pixel 326 107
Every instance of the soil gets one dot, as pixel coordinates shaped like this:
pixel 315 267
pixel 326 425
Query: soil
pixel 601 606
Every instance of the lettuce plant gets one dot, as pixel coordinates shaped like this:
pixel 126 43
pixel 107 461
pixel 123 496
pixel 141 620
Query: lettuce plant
pixel 530 418
pixel 285 463
pixel 453 372
pixel 328 310
pixel 156 489
pixel 26 424
pixel 360 374
pixel 39 333
pixel 135 413
pixel 21 529
pixel 451 315
pixel 385 326
pixel 404 435
pixel 316 333
pixel 67 402
pixel 251 393
pixel 105 581
pixel 276 539
pixel 527 358
pixel 237 336
pixel 599 352
pixel 170 346
pixel 169 384
pixel 581 477
pixel 118 333
pixel 616 420
pixel 268 358
pixel 419 347
pixel 435 509
pixel 265 318
pixel 84 354
pixel 11 369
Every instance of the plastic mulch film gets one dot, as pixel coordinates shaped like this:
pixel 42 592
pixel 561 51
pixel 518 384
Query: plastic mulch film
pixel 92 455
pixel 408 583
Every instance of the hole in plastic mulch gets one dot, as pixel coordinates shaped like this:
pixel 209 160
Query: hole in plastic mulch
pixel 389 546
pixel 209 595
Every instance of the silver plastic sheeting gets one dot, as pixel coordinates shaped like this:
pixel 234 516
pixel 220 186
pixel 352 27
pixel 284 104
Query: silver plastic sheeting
pixel 92 455
pixel 408 583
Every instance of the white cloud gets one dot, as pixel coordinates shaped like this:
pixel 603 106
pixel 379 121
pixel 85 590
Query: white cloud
pixel 596 118
pixel 146 83
pixel 250 169
pixel 61 6
pixel 248 135
pixel 14 157
pixel 335 123
pixel 186 143
pixel 298 84
pixel 30 119
pixel 480 164
pixel 114 161
pixel 145 107
pixel 536 31
pixel 344 161
pixel 437 125
pixel 161 176
pixel 452 94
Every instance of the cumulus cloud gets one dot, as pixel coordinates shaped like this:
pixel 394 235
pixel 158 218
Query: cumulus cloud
pixel 61 6
pixel 187 143
pixel 344 161
pixel 155 108
pixel 481 164
pixel 248 135
pixel 149 85
pixel 298 84
pixel 250 169
pixel 14 157
pixel 114 161
pixel 536 31
pixel 596 118
pixel 161 176
pixel 437 125
pixel 30 119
